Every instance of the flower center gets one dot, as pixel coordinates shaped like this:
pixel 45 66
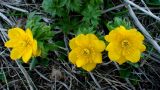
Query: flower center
pixel 86 51
pixel 125 43
pixel 28 42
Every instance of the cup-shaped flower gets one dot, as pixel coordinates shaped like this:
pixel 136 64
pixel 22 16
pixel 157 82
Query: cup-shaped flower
pixel 22 44
pixel 86 51
pixel 125 45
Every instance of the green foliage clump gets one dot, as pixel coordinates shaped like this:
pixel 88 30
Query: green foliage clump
pixel 73 15
pixel 118 21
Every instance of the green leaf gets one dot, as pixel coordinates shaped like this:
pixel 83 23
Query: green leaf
pixel 44 62
pixel 44 50
pixel 124 73
pixel 66 24
pixel 85 30
pixel 54 7
pixel 33 63
pixel 136 65
pixel 110 26
pixel 117 21
pixel 60 43
pixel 91 15
pixel 45 33
pixel 73 5
pixel 53 47
pixel 40 30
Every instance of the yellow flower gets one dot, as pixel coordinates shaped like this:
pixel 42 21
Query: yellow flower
pixel 125 45
pixel 22 44
pixel 86 51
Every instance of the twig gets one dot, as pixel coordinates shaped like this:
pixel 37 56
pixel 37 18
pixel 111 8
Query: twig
pixel 95 80
pixel 3 30
pixel 15 8
pixel 41 75
pixel 143 10
pixel 29 80
pixel 113 8
pixel 6 19
pixel 142 29
pixel 66 42
pixel 73 77
pixel 5 79
pixel 145 5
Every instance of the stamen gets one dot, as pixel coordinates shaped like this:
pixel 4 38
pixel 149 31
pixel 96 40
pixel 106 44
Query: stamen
pixel 86 51
pixel 125 43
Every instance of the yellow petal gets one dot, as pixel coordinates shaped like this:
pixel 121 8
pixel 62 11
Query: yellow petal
pixel 29 34
pixel 107 38
pixel 137 35
pixel 12 43
pixel 138 45
pixel 72 56
pixel 72 43
pixel 16 53
pixel 16 33
pixel 89 67
pixel 81 61
pixel 114 51
pixel 92 36
pixel 34 48
pixel 121 60
pixel 97 58
pixel 98 45
pixel 27 54
pixel 116 35
pixel 132 55
pixel 82 41
pixel 142 47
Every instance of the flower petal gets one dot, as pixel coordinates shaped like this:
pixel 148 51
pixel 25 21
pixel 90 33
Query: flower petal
pixel 34 48
pixel 72 43
pixel 116 35
pixel 98 45
pixel 27 54
pixel 82 41
pixel 16 53
pixel 12 43
pixel 137 35
pixel 81 61
pixel 142 47
pixel 132 55
pixel 89 67
pixel 92 36
pixel 29 34
pixel 114 51
pixel 97 58
pixel 121 60
pixel 16 33
pixel 72 56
